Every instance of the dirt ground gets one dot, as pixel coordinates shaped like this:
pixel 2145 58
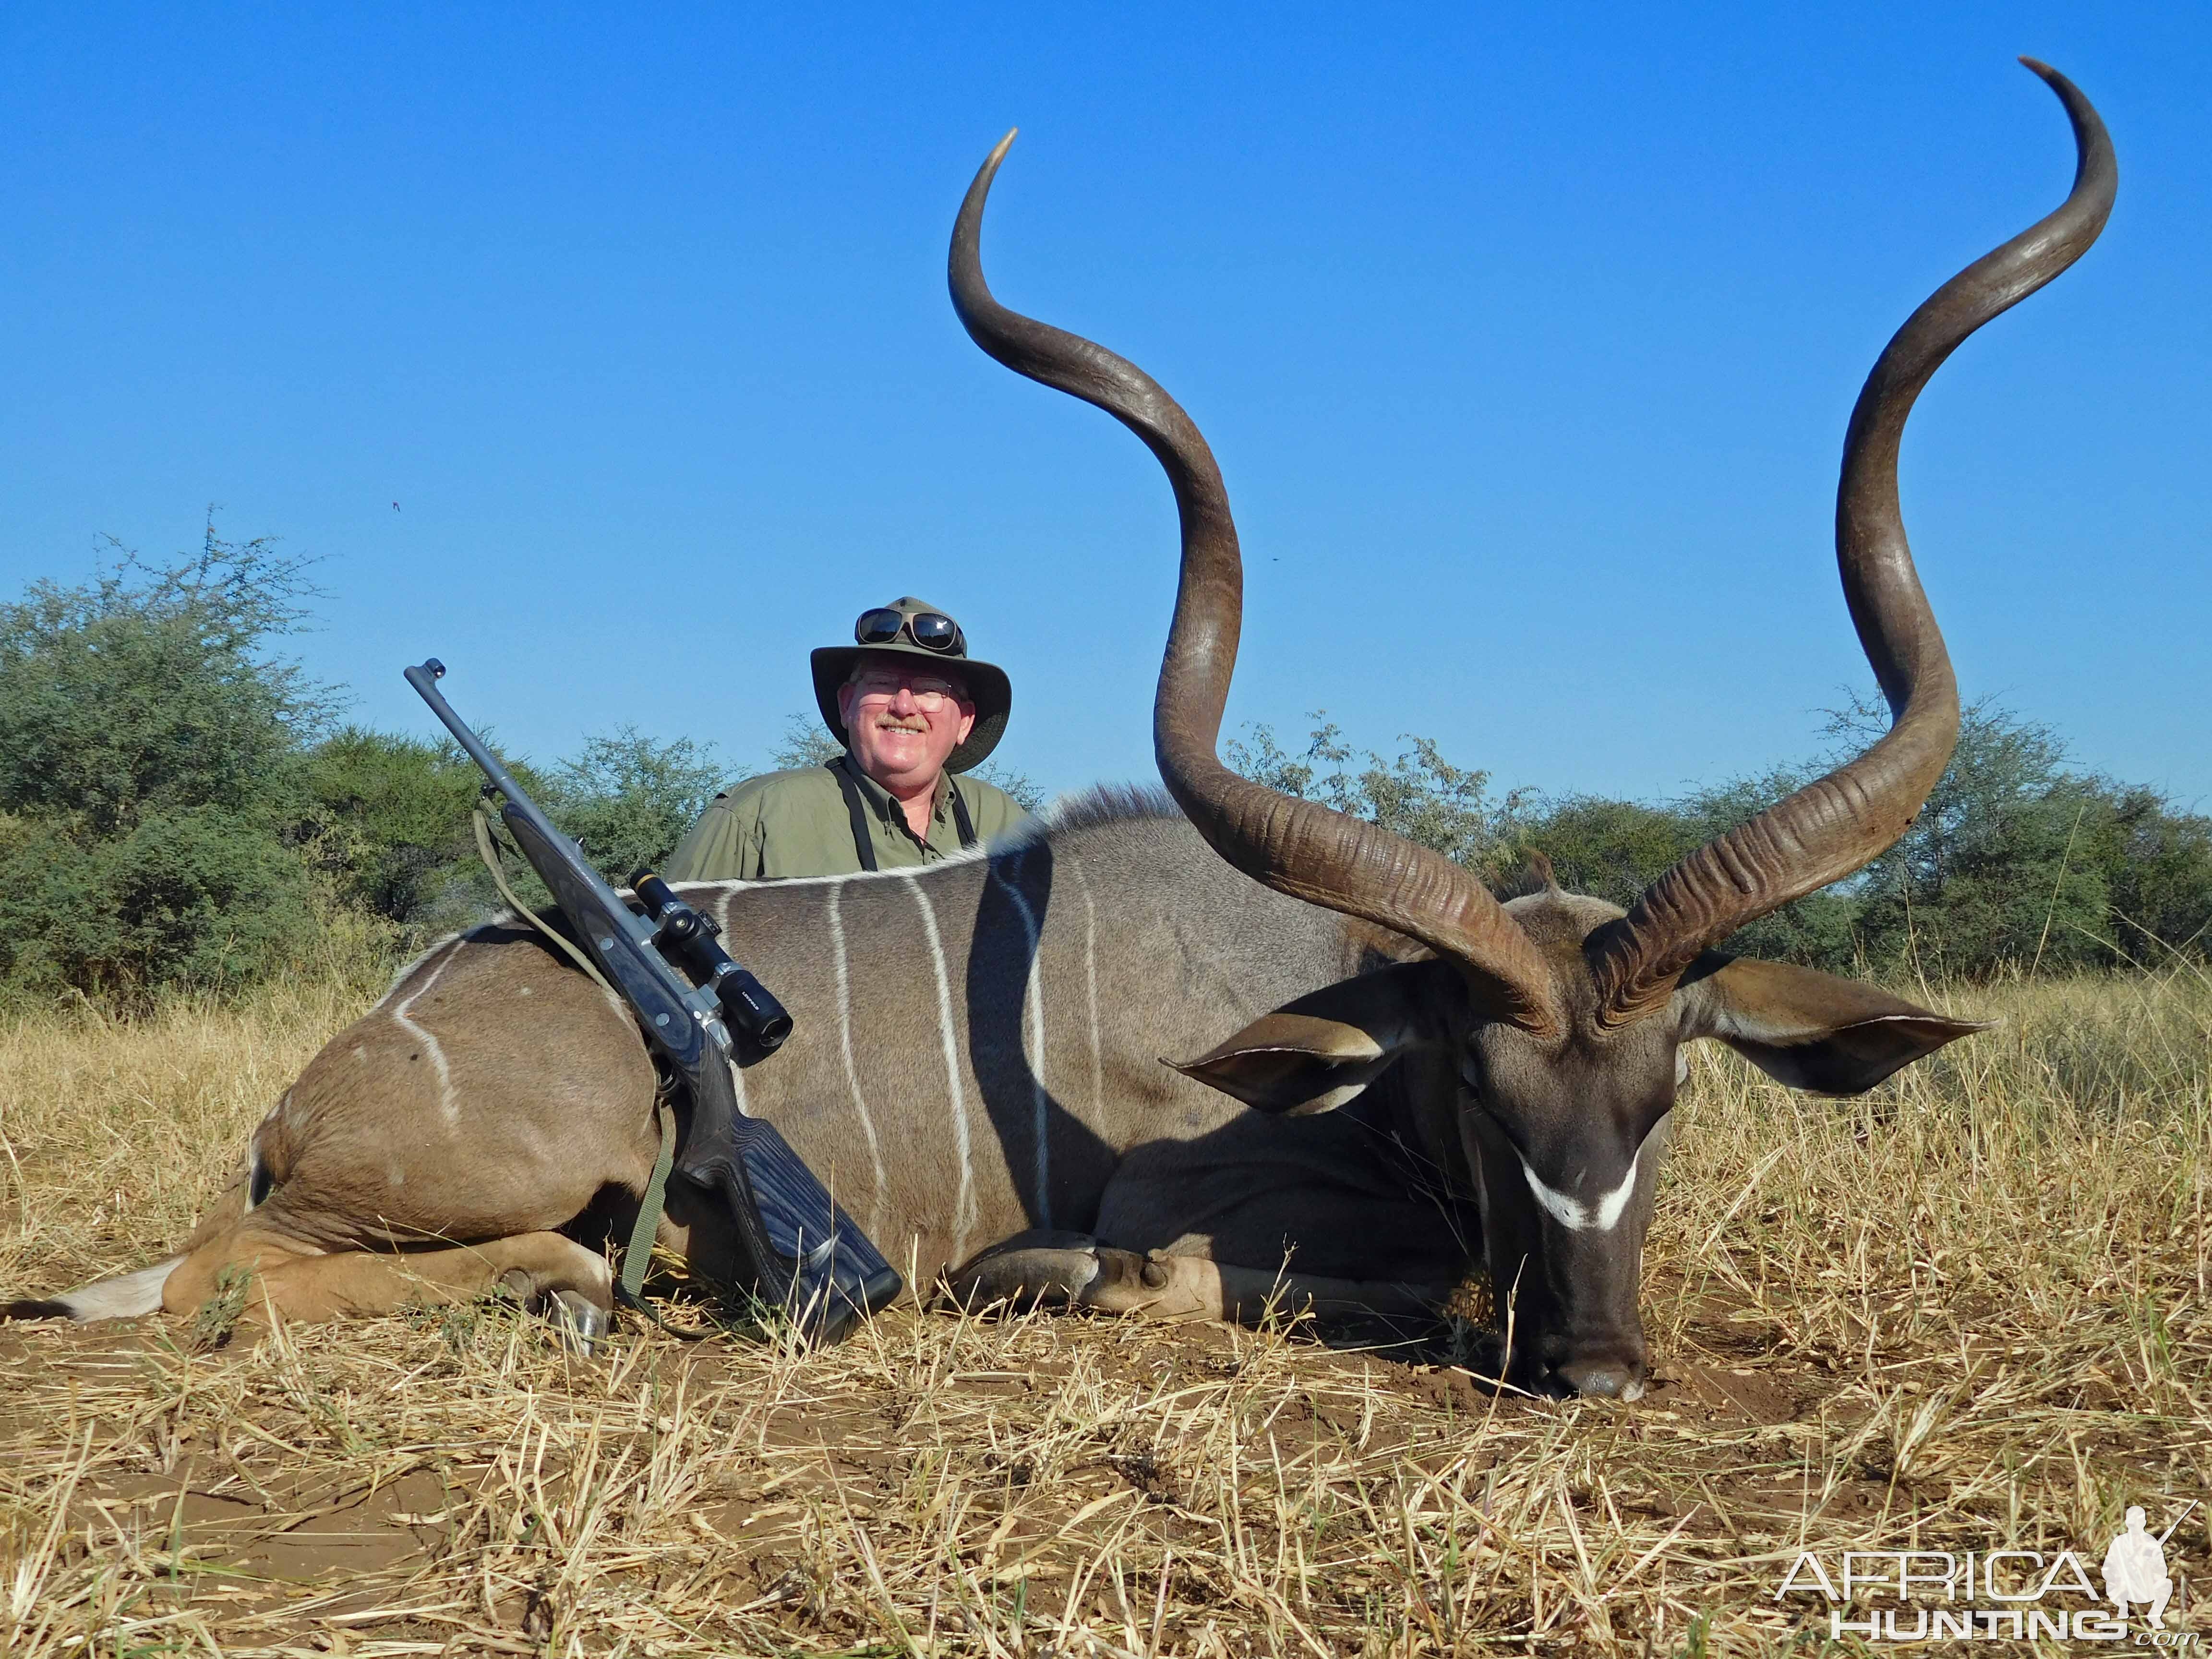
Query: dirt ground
pixel 267 1498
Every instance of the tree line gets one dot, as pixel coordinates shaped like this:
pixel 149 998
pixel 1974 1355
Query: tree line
pixel 181 807
pixel 2019 860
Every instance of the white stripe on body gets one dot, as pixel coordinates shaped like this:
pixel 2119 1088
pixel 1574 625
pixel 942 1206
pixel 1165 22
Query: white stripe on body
pixel 446 1101
pixel 964 1208
pixel 845 1046
pixel 1033 1039
pixel 407 971
pixel 1090 979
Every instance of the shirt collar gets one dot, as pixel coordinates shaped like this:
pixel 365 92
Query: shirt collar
pixel 883 804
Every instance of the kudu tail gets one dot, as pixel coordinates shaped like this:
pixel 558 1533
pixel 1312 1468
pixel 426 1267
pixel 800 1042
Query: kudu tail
pixel 124 1296
pixel 127 1296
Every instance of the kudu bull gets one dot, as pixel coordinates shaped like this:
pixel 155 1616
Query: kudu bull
pixel 976 1061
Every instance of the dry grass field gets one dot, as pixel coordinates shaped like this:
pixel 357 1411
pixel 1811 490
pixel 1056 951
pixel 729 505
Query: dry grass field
pixel 1967 1312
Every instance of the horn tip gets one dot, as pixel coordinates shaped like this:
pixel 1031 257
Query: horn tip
pixel 998 150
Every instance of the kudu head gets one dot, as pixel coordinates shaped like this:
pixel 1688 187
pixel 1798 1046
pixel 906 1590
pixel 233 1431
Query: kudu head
pixel 1559 1019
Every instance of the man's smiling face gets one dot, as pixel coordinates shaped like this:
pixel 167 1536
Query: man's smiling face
pixel 902 723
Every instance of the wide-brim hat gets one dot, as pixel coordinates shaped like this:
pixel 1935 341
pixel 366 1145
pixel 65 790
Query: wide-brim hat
pixel 988 688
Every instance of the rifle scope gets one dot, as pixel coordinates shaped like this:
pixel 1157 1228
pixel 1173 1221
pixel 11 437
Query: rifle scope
pixel 749 1005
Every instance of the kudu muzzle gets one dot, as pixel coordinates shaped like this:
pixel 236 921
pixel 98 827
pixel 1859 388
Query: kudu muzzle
pixel 1566 1266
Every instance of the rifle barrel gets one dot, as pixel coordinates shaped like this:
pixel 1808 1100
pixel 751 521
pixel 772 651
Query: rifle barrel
pixel 425 680
pixel 2177 1520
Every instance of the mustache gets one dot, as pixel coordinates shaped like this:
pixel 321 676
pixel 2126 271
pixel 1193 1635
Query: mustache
pixel 894 723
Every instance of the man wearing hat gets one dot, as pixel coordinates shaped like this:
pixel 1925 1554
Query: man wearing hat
pixel 913 711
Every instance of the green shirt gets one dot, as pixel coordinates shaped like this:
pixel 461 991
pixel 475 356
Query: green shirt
pixel 797 824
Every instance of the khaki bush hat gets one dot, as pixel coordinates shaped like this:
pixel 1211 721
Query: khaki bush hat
pixel 988 688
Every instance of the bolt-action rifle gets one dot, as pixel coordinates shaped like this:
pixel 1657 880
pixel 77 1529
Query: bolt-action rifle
pixel 809 1257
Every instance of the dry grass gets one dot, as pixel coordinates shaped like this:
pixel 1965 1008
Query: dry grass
pixel 1968 1311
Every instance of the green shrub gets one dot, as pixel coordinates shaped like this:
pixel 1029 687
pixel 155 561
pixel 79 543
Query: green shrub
pixel 150 776
pixel 2158 873
pixel 175 812
pixel 2017 861
pixel 629 799
pixel 150 689
pixel 390 822
pixel 1416 793
pixel 206 897
pixel 1610 849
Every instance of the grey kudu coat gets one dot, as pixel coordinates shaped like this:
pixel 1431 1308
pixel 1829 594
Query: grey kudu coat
pixel 977 1052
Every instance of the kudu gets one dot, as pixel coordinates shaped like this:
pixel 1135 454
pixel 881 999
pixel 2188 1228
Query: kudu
pixel 976 1056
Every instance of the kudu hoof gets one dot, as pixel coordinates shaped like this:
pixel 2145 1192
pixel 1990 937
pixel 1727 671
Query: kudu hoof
pixel 577 1321
pixel 1030 1270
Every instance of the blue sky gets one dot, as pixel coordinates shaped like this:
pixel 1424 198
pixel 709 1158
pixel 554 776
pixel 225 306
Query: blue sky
pixel 1526 340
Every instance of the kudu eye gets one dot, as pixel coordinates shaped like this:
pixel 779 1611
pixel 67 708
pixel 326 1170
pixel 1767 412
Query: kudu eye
pixel 1473 1074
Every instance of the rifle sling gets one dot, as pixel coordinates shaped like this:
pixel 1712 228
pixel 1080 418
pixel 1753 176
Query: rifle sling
pixel 637 1254
pixel 488 850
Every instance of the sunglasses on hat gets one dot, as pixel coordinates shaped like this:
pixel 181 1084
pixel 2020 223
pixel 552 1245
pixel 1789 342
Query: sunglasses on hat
pixel 926 629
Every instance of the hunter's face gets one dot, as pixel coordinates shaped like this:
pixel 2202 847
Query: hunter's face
pixel 904 724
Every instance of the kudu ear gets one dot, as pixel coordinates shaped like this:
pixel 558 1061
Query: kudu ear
pixel 1810 1029
pixel 1315 1053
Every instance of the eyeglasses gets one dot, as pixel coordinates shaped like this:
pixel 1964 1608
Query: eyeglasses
pixel 926 629
pixel 931 695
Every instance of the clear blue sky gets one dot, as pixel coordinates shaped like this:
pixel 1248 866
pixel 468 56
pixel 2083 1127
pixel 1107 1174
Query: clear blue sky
pixel 1526 340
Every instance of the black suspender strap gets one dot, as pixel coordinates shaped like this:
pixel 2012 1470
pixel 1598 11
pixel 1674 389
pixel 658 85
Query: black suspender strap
pixel 857 810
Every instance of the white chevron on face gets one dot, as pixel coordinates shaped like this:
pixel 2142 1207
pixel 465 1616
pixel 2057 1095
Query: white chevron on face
pixel 1573 1213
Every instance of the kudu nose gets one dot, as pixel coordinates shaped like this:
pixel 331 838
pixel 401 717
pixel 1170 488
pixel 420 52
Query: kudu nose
pixel 1606 1379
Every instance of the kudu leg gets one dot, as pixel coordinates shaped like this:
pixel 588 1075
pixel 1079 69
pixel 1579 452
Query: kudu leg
pixel 1072 1270
pixel 1263 1217
pixel 547 1272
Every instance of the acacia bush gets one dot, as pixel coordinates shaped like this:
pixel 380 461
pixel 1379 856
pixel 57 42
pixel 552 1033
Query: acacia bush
pixel 150 775
pixel 179 809
pixel 392 820
pixel 629 799
pixel 389 826
pixel 2018 862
